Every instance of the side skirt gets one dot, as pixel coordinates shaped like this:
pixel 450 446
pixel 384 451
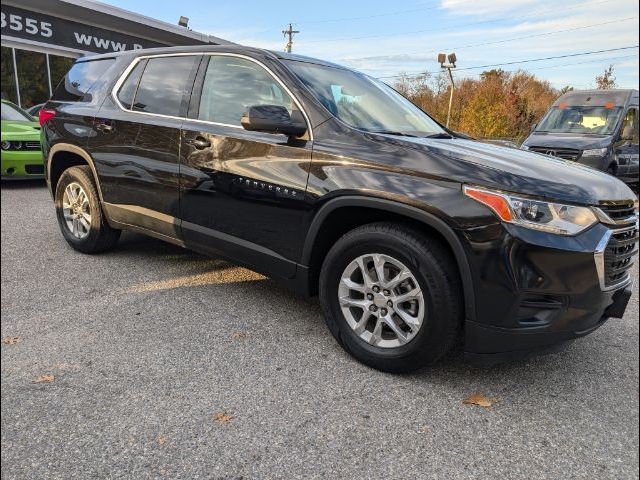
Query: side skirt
pixel 211 243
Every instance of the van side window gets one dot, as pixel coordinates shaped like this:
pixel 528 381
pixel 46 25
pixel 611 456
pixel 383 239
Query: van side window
pixel 77 83
pixel 631 120
pixel 232 84
pixel 130 85
pixel 166 85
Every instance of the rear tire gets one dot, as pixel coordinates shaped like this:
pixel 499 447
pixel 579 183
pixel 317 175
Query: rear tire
pixel 79 213
pixel 428 334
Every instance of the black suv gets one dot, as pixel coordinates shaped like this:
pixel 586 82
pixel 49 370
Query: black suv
pixel 330 181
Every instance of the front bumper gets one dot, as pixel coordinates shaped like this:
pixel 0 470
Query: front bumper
pixel 502 345
pixel 628 173
pixel 535 290
pixel 27 164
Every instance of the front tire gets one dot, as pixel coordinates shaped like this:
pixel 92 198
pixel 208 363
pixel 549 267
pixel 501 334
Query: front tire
pixel 391 297
pixel 79 213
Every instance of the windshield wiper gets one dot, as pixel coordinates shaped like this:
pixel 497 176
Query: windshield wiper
pixel 391 132
pixel 438 135
pixel 414 135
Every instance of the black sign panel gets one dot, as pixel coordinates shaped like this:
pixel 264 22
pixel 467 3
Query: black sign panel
pixel 40 27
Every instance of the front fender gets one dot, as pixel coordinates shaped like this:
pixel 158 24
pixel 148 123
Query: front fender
pixel 400 209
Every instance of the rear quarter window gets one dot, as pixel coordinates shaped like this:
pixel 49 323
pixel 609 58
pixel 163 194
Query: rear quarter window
pixel 165 85
pixel 130 85
pixel 77 83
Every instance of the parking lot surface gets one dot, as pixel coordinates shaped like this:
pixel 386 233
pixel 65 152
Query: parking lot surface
pixel 167 364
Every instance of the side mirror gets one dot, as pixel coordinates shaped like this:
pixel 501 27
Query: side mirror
pixel 627 133
pixel 272 119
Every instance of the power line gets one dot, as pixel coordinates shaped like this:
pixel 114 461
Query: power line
pixel 582 27
pixel 496 42
pixel 532 15
pixel 593 52
pixel 364 17
pixel 563 65
pixel 367 17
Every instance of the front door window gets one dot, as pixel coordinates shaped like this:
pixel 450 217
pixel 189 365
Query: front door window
pixel 232 84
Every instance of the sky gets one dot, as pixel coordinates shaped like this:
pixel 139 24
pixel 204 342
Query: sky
pixel 385 39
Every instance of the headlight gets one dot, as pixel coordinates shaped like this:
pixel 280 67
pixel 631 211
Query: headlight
pixel 535 214
pixel 6 145
pixel 595 152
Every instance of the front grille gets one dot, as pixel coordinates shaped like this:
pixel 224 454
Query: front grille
pixel 34 169
pixel 32 145
pixel 619 211
pixel 565 153
pixel 619 256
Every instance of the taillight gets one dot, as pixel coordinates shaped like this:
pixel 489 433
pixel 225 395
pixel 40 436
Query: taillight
pixel 45 115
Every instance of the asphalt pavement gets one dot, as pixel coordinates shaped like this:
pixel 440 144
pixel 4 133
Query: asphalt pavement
pixel 151 361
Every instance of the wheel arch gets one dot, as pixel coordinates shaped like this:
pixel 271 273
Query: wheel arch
pixel 320 238
pixel 65 155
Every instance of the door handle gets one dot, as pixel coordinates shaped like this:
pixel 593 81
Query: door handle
pixel 199 142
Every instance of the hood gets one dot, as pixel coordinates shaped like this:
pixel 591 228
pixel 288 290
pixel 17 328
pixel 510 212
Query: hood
pixel 567 140
pixel 20 130
pixel 511 170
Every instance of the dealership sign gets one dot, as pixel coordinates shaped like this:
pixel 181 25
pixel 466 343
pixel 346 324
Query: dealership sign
pixel 44 28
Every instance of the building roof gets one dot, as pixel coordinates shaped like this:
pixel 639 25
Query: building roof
pixel 118 19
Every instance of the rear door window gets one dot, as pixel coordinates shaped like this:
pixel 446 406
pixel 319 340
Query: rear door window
pixel 77 83
pixel 166 84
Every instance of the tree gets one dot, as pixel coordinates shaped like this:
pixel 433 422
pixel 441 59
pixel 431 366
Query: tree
pixel 498 104
pixel 607 80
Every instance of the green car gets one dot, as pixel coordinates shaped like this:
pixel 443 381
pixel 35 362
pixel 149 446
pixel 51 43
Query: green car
pixel 21 151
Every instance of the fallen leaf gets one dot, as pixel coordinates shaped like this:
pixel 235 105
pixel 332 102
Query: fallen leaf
pixel 238 334
pixel 162 439
pixel 423 429
pixel 480 400
pixel 222 417
pixel 43 378
pixel 11 340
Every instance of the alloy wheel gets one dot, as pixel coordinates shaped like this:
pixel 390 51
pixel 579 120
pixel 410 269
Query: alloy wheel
pixel 381 300
pixel 76 210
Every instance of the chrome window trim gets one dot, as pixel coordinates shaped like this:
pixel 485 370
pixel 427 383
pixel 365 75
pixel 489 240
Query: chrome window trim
pixel 599 259
pixel 131 66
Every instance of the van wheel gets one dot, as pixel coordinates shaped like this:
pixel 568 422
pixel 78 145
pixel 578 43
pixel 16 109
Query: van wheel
pixel 80 216
pixel 391 297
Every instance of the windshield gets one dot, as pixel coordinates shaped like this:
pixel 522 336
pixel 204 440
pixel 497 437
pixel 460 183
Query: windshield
pixel 584 120
pixel 14 113
pixel 363 102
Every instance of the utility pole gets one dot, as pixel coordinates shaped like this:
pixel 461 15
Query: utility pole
pixel 289 32
pixel 442 58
